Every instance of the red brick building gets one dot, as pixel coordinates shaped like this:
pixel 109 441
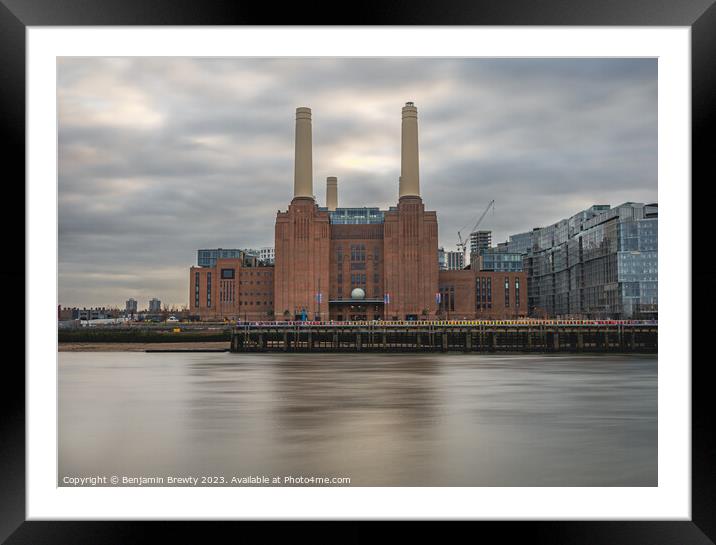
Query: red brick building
pixel 234 289
pixel 354 263
pixel 486 295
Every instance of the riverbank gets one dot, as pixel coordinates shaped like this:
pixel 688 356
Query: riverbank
pixel 142 336
pixel 140 347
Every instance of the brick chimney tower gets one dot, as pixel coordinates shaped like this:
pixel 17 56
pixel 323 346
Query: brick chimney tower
pixel 331 193
pixel 303 160
pixel 409 172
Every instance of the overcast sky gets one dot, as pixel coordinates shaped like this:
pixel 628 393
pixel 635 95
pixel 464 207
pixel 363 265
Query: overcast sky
pixel 161 156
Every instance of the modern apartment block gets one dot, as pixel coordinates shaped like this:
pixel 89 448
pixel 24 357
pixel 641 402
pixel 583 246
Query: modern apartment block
pixel 479 241
pixel 600 263
pixel 449 260
pixel 267 254
pixel 130 308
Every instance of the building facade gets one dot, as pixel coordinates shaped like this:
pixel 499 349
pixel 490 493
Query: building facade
pixel 486 295
pixel 600 263
pixel 233 289
pixel 356 263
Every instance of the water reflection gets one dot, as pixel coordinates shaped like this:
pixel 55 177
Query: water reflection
pixel 398 420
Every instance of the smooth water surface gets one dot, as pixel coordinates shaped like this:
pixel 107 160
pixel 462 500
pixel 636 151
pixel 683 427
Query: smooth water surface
pixel 384 419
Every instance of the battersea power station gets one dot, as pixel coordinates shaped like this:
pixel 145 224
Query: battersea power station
pixel 348 264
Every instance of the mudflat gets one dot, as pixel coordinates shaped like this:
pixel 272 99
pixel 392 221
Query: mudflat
pixel 140 347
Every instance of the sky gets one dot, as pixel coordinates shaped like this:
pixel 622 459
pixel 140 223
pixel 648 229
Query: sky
pixel 159 157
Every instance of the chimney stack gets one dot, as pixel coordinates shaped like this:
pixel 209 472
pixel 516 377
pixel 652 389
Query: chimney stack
pixel 303 161
pixel 332 193
pixel 409 177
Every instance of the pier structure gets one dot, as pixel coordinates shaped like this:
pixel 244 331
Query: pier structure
pixel 436 336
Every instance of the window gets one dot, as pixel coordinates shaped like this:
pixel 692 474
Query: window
pixel 447 298
pixel 208 289
pixel 196 289
pixel 227 273
pixel 507 291
pixel 517 292
pixel 357 252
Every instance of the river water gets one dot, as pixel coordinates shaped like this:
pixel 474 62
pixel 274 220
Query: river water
pixel 378 420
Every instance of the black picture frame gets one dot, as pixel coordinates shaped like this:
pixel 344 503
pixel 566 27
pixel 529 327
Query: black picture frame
pixel 17 15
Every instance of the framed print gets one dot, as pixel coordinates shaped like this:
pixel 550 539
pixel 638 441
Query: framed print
pixel 452 315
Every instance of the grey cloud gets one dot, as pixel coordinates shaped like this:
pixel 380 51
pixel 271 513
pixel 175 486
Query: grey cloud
pixel 158 157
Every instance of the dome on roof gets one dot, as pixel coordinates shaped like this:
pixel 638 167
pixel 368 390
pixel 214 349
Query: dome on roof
pixel 358 293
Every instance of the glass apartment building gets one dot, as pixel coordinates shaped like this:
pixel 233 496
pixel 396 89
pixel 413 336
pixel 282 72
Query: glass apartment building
pixel 355 216
pixel 520 243
pixel 600 263
pixel 496 259
pixel 207 258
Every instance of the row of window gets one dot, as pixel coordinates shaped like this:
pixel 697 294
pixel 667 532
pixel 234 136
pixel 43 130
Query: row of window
pixel 483 294
pixel 358 253
pixel 358 279
pixel 227 293
pixel 257 273
pixel 446 299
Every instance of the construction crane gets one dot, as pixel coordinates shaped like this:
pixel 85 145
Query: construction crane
pixel 462 244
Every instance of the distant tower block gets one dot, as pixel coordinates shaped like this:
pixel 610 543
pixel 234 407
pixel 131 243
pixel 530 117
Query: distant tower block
pixel 303 165
pixel 332 193
pixel 410 178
